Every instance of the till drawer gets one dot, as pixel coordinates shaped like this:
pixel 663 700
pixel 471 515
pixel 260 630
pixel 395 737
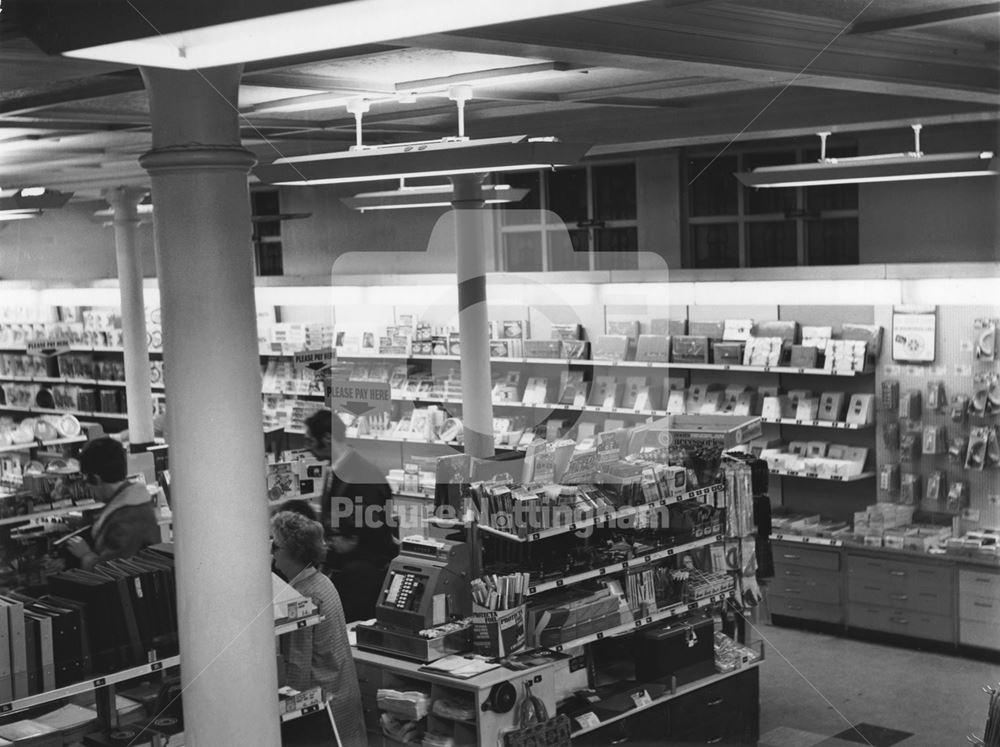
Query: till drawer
pixel 812 585
pixel 888 594
pixel 979 583
pixel 803 608
pixel 900 621
pixel 790 554
pixel 979 609
pixel 984 634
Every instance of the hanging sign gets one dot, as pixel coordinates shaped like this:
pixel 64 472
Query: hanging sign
pixel 48 346
pixel 359 397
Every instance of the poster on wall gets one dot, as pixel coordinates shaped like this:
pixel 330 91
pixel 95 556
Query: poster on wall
pixel 913 334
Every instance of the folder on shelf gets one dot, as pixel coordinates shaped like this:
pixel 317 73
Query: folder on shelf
pixel 42 623
pixel 6 683
pixel 18 652
pixel 69 641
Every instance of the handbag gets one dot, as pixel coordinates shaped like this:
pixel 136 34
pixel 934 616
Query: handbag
pixel 535 728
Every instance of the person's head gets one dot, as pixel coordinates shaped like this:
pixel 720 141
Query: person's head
pixel 325 433
pixel 343 539
pixel 298 506
pixel 296 542
pixel 103 460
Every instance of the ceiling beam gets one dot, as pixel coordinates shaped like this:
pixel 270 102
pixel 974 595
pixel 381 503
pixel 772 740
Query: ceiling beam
pixel 484 75
pixel 931 18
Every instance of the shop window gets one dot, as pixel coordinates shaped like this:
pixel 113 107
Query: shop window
pixel 581 218
pixel 728 225
pixel 265 210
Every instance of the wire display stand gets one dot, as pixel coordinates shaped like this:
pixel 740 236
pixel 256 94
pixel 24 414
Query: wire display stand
pixel 991 736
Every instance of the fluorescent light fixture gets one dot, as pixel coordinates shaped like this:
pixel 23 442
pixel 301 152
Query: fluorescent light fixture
pixel 34 199
pixel 889 167
pixel 143 208
pixel 896 168
pixel 19 214
pixel 437 195
pixel 434 158
pixel 188 35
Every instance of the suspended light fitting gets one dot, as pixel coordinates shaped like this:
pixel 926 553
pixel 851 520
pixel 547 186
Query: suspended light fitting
pixel 448 156
pixel 889 167
pixel 30 202
pixel 437 195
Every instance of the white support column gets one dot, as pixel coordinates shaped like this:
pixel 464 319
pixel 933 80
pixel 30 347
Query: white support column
pixel 473 322
pixel 206 276
pixel 138 391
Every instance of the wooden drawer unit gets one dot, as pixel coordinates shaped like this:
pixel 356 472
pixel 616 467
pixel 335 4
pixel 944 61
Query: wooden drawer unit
pixel 812 557
pixel 937 601
pixel 900 621
pixel 912 578
pixel 979 608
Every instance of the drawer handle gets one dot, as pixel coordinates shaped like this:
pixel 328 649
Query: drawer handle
pixel 982 604
pixel 714 741
pixel 793 591
pixel 794 606
pixel 982 579
pixel 897 573
pixel 717 701
pixel 899 620
pixel 792 573
pixel 898 596
pixel 790 557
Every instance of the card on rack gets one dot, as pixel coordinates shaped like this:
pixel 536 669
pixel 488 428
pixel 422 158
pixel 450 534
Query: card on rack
pixel 572 389
pixel 629 329
pixel 611 348
pixel 605 392
pixel 676 402
pixel 536 391
pixel 636 393
pixel 831 406
pixel 567 332
pixel 654 348
pixel 575 349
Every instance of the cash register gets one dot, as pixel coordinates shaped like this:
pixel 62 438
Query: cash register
pixel 426 586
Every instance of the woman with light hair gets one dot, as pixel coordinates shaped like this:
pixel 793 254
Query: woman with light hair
pixel 320 654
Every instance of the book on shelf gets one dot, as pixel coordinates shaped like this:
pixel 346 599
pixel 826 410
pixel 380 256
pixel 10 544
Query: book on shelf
pixel 655 348
pixel 542 348
pixel 16 642
pixel 6 682
pixel 574 349
pixel 567 332
pixel 628 328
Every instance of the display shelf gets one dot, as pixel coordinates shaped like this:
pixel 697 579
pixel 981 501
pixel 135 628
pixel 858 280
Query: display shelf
pixel 624 565
pixel 536 406
pixel 88 685
pixel 292 715
pixel 819 423
pixel 823 541
pixel 46 411
pixel 40 444
pixel 676 693
pixel 814 476
pixel 75 380
pixel 602 363
pixel 288 626
pixel 667 612
pixel 50 512
pixel 622 513
pixel 127 674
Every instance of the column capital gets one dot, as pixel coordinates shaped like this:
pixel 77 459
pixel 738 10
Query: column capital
pixel 124 201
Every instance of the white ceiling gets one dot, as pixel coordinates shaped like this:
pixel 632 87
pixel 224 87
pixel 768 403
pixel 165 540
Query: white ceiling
pixel 653 74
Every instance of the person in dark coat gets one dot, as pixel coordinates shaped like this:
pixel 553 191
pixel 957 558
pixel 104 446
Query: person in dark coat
pixel 127 523
pixel 355 497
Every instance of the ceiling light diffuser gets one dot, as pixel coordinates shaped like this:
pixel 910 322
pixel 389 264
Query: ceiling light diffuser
pixel 889 167
pixel 438 195
pixel 434 158
pixel 192 34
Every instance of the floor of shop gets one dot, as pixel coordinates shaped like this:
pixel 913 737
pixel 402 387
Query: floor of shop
pixel 818 689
